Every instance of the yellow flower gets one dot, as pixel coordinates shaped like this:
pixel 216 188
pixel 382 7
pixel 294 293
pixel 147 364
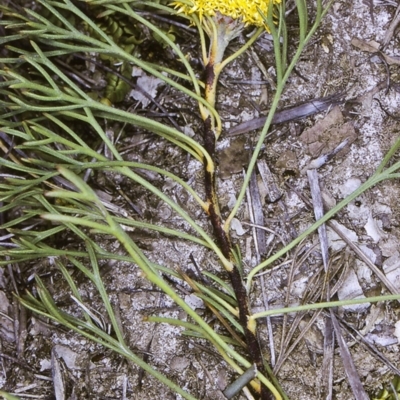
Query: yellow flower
pixel 247 10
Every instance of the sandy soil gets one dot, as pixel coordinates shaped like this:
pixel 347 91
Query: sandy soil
pixel 339 59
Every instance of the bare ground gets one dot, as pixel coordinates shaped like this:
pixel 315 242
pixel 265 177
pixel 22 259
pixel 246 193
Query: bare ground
pixel 332 63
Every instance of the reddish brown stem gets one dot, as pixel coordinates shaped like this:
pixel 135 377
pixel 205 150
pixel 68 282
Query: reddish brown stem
pixel 225 244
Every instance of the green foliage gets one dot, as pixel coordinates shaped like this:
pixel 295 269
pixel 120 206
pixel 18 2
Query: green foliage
pixel 125 35
pixel 45 190
pixel 8 396
pixel 391 392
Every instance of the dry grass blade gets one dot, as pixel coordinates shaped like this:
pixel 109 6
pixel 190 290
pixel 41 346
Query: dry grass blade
pixel 327 363
pixel 372 349
pixel 296 112
pixel 363 257
pixel 134 193
pixel 392 28
pixel 319 213
pixel 350 369
pixel 259 236
pixel 286 337
pixel 330 331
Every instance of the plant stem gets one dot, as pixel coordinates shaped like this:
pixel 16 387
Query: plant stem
pixel 224 242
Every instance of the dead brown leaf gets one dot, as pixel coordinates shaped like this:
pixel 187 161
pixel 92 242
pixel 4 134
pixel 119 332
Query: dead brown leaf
pixel 373 47
pixel 328 133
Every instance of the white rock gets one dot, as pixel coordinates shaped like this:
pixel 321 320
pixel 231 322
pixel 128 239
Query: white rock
pixel 391 268
pixel 351 289
pixel 364 274
pixel 381 340
pixel 45 364
pixel 194 302
pixel 372 229
pixel 389 246
pixel 358 214
pixel 368 252
pixel 335 242
pixel 397 330
pixel 69 356
pixel 232 200
pixel 188 131
pixel 350 186
pixel 236 225
pixel 150 85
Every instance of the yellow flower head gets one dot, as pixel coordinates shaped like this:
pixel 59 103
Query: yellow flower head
pixel 246 10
